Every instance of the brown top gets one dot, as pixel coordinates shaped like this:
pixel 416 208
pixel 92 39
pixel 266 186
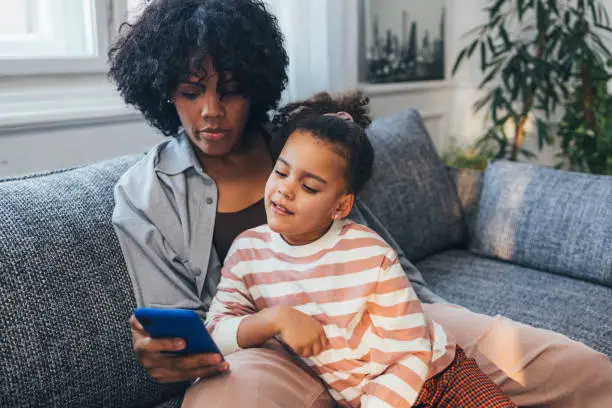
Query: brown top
pixel 229 225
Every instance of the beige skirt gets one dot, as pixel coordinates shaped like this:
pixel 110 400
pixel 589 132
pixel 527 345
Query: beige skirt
pixel 535 367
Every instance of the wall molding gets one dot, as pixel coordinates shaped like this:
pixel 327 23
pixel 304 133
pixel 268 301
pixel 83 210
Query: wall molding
pixel 405 87
pixel 35 109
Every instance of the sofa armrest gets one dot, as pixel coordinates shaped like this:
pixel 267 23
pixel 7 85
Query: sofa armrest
pixel 468 183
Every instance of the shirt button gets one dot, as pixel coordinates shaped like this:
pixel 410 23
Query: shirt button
pixel 208 182
pixel 209 200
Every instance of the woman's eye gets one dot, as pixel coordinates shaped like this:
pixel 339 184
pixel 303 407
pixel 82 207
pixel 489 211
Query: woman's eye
pixel 190 95
pixel 229 89
pixel 310 189
pixel 280 173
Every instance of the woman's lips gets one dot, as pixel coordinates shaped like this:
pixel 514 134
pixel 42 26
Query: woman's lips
pixel 213 134
pixel 279 209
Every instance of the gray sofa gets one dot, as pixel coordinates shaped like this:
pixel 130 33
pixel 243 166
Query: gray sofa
pixel 529 243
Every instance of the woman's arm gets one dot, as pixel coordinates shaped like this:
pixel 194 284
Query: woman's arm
pixel 158 278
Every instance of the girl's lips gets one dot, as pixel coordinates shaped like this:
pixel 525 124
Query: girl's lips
pixel 279 209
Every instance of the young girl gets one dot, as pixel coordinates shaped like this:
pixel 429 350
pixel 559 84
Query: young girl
pixel 333 290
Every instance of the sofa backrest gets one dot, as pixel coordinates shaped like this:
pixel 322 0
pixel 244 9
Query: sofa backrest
pixel 411 191
pixel 556 221
pixel 468 183
pixel 66 296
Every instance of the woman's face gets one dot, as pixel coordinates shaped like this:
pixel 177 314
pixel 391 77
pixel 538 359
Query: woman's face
pixel 212 113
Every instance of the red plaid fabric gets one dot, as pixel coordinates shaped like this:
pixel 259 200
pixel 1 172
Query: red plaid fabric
pixel 461 385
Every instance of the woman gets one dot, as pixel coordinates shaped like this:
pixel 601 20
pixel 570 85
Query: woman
pixel 206 72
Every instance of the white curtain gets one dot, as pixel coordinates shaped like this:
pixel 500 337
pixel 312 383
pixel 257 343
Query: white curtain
pixel 321 41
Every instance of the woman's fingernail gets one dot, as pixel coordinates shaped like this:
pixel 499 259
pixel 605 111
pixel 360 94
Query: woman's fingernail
pixel 224 367
pixel 179 344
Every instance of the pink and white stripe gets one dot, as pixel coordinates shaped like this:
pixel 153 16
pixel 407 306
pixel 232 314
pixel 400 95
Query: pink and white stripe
pixel 381 347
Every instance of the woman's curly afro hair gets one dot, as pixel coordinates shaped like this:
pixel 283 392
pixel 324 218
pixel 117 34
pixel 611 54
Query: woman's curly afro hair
pixel 170 41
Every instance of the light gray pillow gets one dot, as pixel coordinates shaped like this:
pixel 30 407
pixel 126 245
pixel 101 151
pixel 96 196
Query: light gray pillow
pixel 556 221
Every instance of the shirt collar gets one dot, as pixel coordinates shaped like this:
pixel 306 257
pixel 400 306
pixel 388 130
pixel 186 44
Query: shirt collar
pixel 325 242
pixel 177 156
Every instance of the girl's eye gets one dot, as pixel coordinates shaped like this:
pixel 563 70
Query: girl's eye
pixel 310 189
pixel 280 174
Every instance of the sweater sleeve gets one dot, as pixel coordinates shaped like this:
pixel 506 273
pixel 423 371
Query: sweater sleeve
pixel 399 341
pixel 363 215
pixel 231 304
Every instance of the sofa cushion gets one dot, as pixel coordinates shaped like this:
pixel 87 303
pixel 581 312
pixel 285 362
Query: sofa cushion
pixel 411 191
pixel 172 403
pixel 547 219
pixel 578 309
pixel 66 295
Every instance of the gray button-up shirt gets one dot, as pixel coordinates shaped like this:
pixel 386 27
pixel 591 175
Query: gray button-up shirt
pixel 164 217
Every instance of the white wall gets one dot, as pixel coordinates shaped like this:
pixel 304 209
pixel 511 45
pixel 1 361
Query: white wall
pixel 30 151
pixel 80 119
pixel 50 122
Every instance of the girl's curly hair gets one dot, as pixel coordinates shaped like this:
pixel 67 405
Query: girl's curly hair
pixel 348 135
pixel 170 41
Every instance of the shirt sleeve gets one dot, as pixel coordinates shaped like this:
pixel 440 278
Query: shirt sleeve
pixel 160 277
pixel 231 304
pixel 363 215
pixel 400 348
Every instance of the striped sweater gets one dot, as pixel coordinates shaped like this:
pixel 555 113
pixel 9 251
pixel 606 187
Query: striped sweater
pixel 381 346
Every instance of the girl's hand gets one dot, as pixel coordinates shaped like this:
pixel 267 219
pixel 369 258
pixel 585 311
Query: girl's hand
pixel 303 333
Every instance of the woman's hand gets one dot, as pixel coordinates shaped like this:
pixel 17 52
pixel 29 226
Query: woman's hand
pixel 303 333
pixel 166 368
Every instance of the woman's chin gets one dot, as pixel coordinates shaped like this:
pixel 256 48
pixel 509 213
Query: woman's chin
pixel 214 148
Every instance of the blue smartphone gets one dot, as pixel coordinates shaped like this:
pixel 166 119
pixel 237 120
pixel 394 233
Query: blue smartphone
pixel 177 323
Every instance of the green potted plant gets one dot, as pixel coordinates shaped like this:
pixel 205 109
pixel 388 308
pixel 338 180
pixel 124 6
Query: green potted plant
pixel 585 131
pixel 529 50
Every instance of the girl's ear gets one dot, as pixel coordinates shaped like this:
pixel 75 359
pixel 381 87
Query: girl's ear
pixel 344 206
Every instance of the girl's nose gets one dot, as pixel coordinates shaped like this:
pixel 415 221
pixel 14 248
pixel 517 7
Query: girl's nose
pixel 286 190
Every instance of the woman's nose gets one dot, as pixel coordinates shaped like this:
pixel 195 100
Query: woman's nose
pixel 211 104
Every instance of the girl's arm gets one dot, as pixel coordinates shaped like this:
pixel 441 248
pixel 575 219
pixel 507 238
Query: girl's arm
pixel 400 347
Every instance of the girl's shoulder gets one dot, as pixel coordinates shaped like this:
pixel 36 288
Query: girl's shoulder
pixel 366 237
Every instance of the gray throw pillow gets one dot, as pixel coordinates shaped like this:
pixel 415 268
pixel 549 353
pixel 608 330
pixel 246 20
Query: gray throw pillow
pixel 552 220
pixel 411 191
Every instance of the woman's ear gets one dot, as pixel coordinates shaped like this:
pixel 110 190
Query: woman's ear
pixel 344 206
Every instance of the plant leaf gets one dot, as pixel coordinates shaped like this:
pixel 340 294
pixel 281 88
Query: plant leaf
pixel 459 60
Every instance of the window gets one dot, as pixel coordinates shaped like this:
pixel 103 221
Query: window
pixel 53 63
pixel 56 36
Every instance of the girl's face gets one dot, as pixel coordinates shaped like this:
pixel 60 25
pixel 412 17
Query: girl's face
pixel 211 112
pixel 307 189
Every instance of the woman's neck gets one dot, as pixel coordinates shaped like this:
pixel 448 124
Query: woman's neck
pixel 239 164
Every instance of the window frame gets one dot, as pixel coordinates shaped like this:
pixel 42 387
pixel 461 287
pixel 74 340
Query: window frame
pixel 108 15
